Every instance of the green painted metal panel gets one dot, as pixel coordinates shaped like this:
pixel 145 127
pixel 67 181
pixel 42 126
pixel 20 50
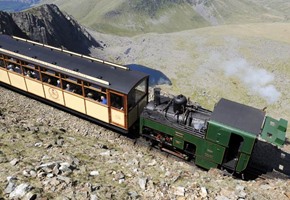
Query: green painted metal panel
pixel 202 162
pixel 178 140
pixel 217 134
pixel 215 127
pixel 178 143
pixel 212 152
pixel 179 137
pixel 274 131
pixel 159 127
pixel 243 162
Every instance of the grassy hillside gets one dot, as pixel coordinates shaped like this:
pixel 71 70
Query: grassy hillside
pixel 133 17
pixel 142 16
pixel 247 63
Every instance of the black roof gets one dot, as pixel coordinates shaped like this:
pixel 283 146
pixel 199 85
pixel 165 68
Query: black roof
pixel 238 116
pixel 119 79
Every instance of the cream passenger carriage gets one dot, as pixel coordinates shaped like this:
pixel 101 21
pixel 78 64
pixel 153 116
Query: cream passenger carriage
pixel 104 92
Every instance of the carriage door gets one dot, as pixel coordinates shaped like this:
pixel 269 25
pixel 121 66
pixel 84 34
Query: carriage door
pixel 117 109
pixel 233 152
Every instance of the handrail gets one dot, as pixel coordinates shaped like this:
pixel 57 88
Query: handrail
pixel 72 53
pixel 55 66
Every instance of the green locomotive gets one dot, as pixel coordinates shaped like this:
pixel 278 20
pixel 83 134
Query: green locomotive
pixel 222 138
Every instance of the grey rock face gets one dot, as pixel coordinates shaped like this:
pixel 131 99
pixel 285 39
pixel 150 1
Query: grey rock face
pixel 20 191
pixel 142 183
pixel 10 187
pixel 8 26
pixel 47 24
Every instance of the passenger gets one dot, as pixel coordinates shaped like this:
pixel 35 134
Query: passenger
pixel 49 81
pixel 58 83
pixel 103 100
pixel 68 88
pixel 35 75
pixel 28 74
pixel 10 67
pixel 90 96
pixel 118 103
pixel 18 70
pixel 2 63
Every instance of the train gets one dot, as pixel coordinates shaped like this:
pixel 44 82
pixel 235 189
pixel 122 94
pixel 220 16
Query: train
pixel 117 97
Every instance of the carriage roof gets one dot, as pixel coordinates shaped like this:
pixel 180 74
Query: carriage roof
pixel 105 74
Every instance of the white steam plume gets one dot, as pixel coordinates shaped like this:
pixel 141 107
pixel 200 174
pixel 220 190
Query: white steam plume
pixel 257 80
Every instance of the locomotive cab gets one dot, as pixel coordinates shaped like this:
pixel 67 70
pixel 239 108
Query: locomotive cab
pixel 237 127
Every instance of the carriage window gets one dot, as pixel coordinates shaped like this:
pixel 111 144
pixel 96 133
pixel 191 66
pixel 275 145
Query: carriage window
pixel 2 63
pixel 117 101
pixel 142 87
pixel 71 86
pixel 137 94
pixel 87 83
pixel 15 68
pixel 14 60
pixel 93 94
pixel 50 79
pixel 73 79
pixel 18 69
pixel 31 73
pixel 97 87
pixel 52 72
pixel 11 59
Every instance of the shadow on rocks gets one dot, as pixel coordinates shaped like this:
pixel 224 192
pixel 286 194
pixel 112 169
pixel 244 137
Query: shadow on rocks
pixel 268 159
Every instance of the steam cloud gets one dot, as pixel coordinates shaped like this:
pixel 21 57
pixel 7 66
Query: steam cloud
pixel 257 80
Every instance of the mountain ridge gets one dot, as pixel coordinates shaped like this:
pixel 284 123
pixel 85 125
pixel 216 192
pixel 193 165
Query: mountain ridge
pixel 135 17
pixel 47 24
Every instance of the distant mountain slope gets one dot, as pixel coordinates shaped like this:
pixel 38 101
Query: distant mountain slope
pixel 131 17
pixel 47 24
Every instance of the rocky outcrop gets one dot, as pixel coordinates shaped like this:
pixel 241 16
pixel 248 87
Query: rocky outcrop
pixel 47 24
pixel 8 26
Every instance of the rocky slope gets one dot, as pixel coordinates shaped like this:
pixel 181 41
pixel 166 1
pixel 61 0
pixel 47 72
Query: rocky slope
pixel 9 27
pixel 47 24
pixel 60 156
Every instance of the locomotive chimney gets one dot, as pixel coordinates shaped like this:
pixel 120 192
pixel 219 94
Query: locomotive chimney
pixel 157 96
pixel 179 104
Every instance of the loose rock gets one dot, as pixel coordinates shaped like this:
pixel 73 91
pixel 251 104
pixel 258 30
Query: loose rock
pixel 20 191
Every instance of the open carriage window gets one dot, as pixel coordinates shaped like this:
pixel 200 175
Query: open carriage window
pixel 14 67
pixel 31 73
pixel 52 80
pixel 72 86
pixel 2 64
pixel 117 101
pixel 95 92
